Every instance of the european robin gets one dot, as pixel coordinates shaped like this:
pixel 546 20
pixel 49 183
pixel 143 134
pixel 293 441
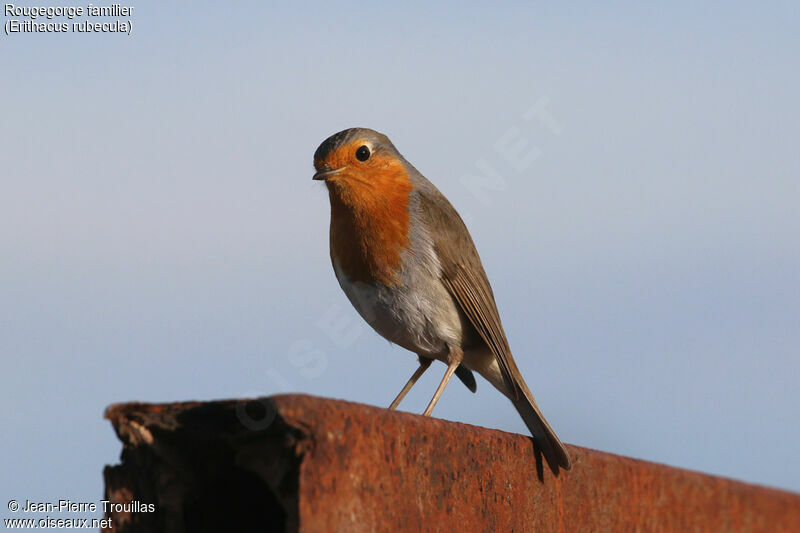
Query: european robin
pixel 407 263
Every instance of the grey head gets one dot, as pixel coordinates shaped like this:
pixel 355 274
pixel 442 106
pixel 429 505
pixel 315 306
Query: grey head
pixel 326 155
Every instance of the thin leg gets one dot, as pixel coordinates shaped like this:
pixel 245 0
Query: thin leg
pixel 450 369
pixel 424 363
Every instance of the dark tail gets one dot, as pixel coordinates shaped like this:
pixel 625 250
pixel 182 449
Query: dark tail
pixel 553 450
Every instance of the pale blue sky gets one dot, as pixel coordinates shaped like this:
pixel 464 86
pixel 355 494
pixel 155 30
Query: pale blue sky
pixel 161 238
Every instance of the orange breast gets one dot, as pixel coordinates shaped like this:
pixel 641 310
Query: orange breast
pixel 369 222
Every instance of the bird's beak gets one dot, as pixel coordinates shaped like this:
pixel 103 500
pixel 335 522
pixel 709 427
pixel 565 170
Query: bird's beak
pixel 325 174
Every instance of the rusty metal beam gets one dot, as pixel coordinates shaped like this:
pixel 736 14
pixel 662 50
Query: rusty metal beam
pixel 299 463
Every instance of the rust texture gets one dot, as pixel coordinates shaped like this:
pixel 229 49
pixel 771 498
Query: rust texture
pixel 299 463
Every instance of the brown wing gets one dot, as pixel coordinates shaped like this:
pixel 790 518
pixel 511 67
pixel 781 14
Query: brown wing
pixel 464 277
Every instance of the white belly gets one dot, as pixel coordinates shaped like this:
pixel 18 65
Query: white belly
pixel 418 314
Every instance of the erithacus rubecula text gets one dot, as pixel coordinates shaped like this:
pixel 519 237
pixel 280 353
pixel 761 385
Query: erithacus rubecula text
pixel 407 263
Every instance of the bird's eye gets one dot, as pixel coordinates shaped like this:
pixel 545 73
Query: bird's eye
pixel 362 154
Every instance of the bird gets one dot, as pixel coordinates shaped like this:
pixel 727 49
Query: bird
pixel 407 263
